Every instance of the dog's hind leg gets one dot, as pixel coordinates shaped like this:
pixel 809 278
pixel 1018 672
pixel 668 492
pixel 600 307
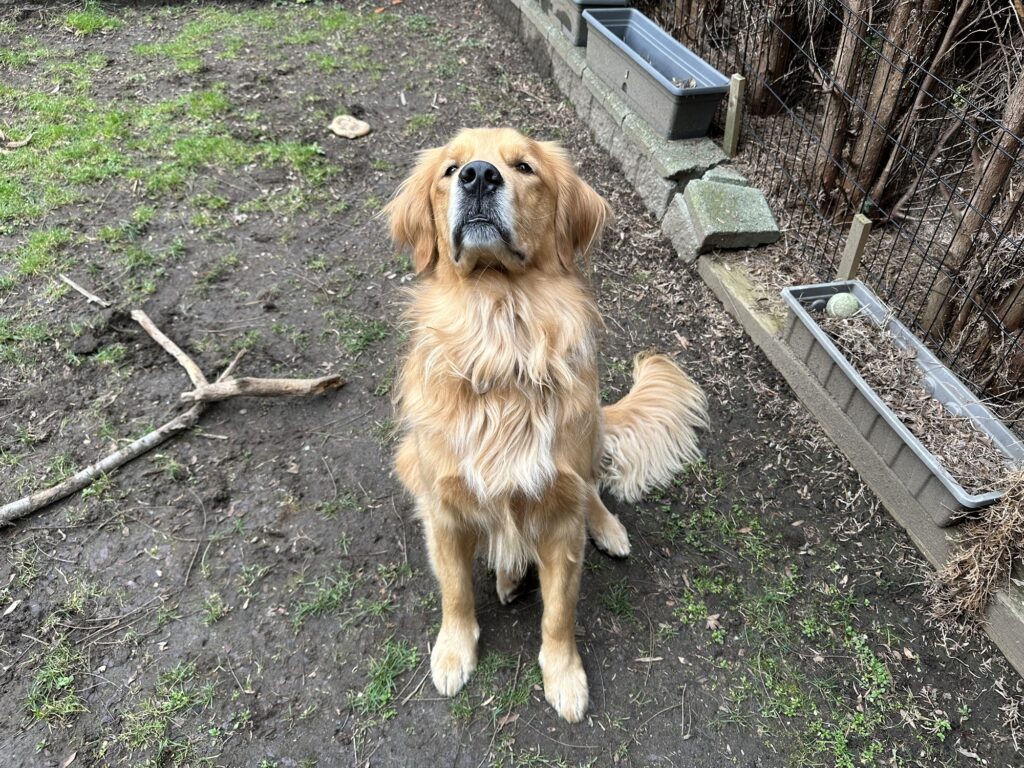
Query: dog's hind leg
pixel 607 531
pixel 507 581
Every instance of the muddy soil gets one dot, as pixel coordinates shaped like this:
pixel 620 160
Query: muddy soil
pixel 256 592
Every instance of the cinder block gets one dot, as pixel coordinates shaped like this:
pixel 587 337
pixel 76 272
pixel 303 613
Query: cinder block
pixel 728 216
pixel 610 103
pixel 602 125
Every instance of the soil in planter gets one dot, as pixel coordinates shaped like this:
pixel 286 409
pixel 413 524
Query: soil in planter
pixel 969 454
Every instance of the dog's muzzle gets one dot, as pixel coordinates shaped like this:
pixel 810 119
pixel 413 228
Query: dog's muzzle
pixel 481 217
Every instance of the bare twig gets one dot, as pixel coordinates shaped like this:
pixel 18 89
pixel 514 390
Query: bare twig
pixel 186 362
pixel 91 297
pixel 249 387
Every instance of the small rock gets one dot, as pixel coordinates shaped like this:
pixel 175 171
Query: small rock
pixel 349 127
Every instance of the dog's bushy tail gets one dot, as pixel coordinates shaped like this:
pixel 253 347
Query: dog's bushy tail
pixel 651 433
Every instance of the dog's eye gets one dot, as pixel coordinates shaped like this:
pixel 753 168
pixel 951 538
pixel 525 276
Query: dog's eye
pixel 451 169
pixel 524 168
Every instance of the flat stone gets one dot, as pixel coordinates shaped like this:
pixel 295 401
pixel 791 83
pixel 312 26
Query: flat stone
pixel 680 159
pixel 678 228
pixel 725 174
pixel 729 216
pixel 349 127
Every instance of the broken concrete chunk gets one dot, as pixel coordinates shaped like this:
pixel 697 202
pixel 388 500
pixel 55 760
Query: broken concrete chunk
pixel 729 216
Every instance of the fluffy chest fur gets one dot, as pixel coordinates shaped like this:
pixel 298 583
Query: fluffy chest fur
pixel 502 374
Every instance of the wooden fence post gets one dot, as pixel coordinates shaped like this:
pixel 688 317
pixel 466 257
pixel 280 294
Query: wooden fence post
pixel 733 115
pixel 860 230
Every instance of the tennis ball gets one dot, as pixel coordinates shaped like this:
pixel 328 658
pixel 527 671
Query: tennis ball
pixel 842 305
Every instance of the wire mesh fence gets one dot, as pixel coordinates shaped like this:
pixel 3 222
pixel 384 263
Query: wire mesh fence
pixel 911 113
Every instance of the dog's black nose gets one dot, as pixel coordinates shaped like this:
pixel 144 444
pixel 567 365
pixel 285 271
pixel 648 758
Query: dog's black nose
pixel 480 178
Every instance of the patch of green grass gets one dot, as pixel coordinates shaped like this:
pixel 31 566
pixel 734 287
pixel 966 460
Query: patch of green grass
pixel 356 333
pixel 619 599
pixel 25 564
pixel 40 253
pixel 214 608
pixel 111 355
pixel 52 693
pixel 376 699
pixel 328 595
pixel 20 340
pixel 153 723
pixel 209 103
pixel 90 20
pixel 345 501
pixel 418 124
pixel 501 682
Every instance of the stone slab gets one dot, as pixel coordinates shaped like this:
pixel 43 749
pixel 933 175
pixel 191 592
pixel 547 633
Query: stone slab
pixel 725 174
pixel 677 227
pixel 729 216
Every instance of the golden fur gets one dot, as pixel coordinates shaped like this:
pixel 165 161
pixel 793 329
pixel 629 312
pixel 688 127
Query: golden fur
pixel 504 440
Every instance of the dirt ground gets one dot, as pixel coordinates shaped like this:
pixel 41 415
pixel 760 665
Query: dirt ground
pixel 256 592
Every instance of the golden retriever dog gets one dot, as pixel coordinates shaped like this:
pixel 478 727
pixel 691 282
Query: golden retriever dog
pixel 504 440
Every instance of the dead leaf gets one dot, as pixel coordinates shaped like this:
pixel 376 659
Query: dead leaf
pixel 713 621
pixel 69 760
pixel 11 607
pixel 17 144
pixel 508 720
pixel 909 653
pixel 349 127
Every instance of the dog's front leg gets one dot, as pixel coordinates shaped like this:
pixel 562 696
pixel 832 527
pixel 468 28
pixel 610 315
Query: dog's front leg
pixel 451 548
pixel 560 568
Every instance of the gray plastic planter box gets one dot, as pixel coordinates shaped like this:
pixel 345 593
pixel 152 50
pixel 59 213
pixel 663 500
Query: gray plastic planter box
pixel 650 70
pixel 569 14
pixel 914 465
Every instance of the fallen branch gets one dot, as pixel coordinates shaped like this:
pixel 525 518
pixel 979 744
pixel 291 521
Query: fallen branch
pixel 194 371
pixel 247 387
pixel 225 387
pixel 92 297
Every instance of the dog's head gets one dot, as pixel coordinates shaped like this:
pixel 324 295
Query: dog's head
pixel 495 199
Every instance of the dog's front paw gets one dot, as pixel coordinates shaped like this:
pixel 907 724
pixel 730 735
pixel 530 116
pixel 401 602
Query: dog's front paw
pixel 610 536
pixel 453 659
pixel 565 686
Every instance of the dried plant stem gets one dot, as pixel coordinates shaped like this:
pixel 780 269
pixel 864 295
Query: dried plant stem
pixel 964 586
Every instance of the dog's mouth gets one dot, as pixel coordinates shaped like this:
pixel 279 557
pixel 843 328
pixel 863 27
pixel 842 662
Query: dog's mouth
pixel 481 232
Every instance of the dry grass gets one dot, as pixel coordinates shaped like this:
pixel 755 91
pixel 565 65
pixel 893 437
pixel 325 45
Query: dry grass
pixel 966 452
pixel 987 550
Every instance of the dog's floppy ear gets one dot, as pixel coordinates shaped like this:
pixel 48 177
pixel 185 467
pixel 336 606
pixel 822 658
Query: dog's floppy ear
pixel 412 215
pixel 581 215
